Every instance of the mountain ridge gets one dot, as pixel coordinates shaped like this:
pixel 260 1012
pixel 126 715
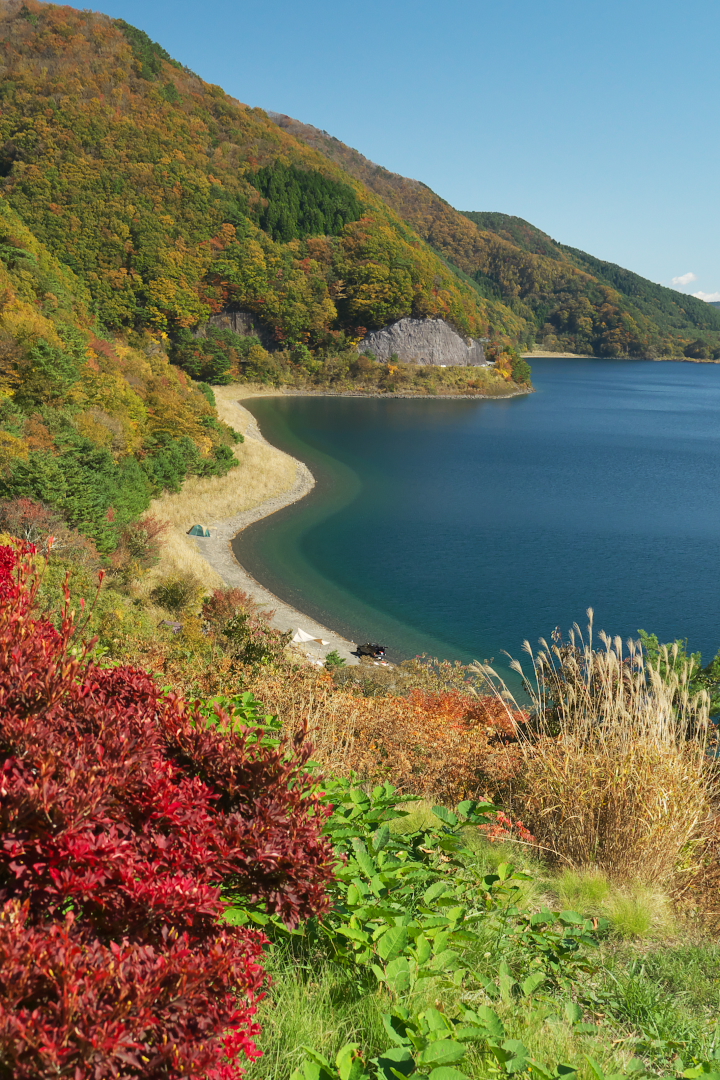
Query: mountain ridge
pixel 566 298
pixel 136 202
pixel 167 170
pixel 173 202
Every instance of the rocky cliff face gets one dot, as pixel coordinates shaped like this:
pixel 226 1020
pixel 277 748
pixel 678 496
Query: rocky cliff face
pixel 413 341
pixel 424 341
pixel 242 322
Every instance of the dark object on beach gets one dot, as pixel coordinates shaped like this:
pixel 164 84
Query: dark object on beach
pixel 373 650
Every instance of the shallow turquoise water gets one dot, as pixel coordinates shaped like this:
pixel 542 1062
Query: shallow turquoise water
pixel 461 528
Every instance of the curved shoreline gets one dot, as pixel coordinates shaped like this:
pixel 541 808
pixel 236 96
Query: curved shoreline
pixel 217 552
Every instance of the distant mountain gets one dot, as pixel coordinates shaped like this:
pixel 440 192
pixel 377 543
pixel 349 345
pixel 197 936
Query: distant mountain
pixel 565 298
pixel 674 313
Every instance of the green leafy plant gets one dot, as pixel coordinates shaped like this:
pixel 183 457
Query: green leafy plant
pixel 431 1044
pixel 178 593
pixel 236 712
pixel 409 910
pixel 334 660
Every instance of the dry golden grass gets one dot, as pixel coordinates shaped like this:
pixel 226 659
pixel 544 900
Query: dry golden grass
pixel 179 554
pixel 228 397
pixel 628 809
pixel 615 773
pixel 310 695
pixel 263 473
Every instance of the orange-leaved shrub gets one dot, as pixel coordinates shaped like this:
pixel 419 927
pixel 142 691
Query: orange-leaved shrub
pixel 443 745
pixel 505 828
pixel 122 817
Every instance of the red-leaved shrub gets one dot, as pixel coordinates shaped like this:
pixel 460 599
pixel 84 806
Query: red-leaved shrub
pixel 225 604
pixel 121 816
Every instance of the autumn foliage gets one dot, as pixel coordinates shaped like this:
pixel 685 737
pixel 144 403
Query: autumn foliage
pixel 34 523
pixel 444 745
pixel 532 287
pixel 197 202
pixel 123 818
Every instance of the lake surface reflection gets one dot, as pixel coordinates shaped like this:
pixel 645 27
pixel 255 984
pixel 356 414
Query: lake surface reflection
pixel 461 528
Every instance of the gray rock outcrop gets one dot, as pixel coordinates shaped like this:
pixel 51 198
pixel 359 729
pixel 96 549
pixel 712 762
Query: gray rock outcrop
pixel 242 322
pixel 424 341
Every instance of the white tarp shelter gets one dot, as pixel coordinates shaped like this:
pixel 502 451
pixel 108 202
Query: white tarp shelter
pixel 301 635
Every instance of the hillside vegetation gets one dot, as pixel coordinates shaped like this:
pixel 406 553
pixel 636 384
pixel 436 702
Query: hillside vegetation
pixel 674 313
pixel 158 859
pixel 91 427
pixel 188 805
pixel 169 855
pixel 561 297
pixel 172 200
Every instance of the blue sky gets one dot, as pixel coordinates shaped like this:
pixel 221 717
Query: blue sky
pixel 596 121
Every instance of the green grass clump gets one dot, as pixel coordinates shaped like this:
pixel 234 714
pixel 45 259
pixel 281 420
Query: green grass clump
pixel 664 1000
pixel 633 909
pixel 582 890
pixel 314 1003
pixel 640 912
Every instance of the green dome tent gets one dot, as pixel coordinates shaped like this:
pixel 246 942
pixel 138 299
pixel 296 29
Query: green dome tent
pixel 199 530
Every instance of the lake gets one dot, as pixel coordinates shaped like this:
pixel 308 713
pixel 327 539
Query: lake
pixel 461 528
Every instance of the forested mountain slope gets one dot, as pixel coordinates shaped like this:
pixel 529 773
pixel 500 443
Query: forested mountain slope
pixel 136 201
pixel 565 298
pixel 92 427
pixel 172 200
pixel 672 312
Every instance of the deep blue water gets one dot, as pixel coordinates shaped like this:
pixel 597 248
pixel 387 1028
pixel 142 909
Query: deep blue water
pixel 461 528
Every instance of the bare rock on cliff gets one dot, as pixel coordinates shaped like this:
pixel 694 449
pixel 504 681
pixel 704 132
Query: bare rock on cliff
pixel 424 341
pixel 242 322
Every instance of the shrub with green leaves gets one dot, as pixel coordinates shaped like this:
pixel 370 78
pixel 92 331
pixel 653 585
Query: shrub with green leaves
pixel 178 593
pixel 408 913
pixel 334 660
pixel 411 911
pixel 243 628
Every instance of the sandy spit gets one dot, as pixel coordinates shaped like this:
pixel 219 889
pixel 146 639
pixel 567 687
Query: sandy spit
pixel 216 549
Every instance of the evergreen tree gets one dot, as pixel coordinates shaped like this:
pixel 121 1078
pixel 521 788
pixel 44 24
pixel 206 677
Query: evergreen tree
pixel 303 202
